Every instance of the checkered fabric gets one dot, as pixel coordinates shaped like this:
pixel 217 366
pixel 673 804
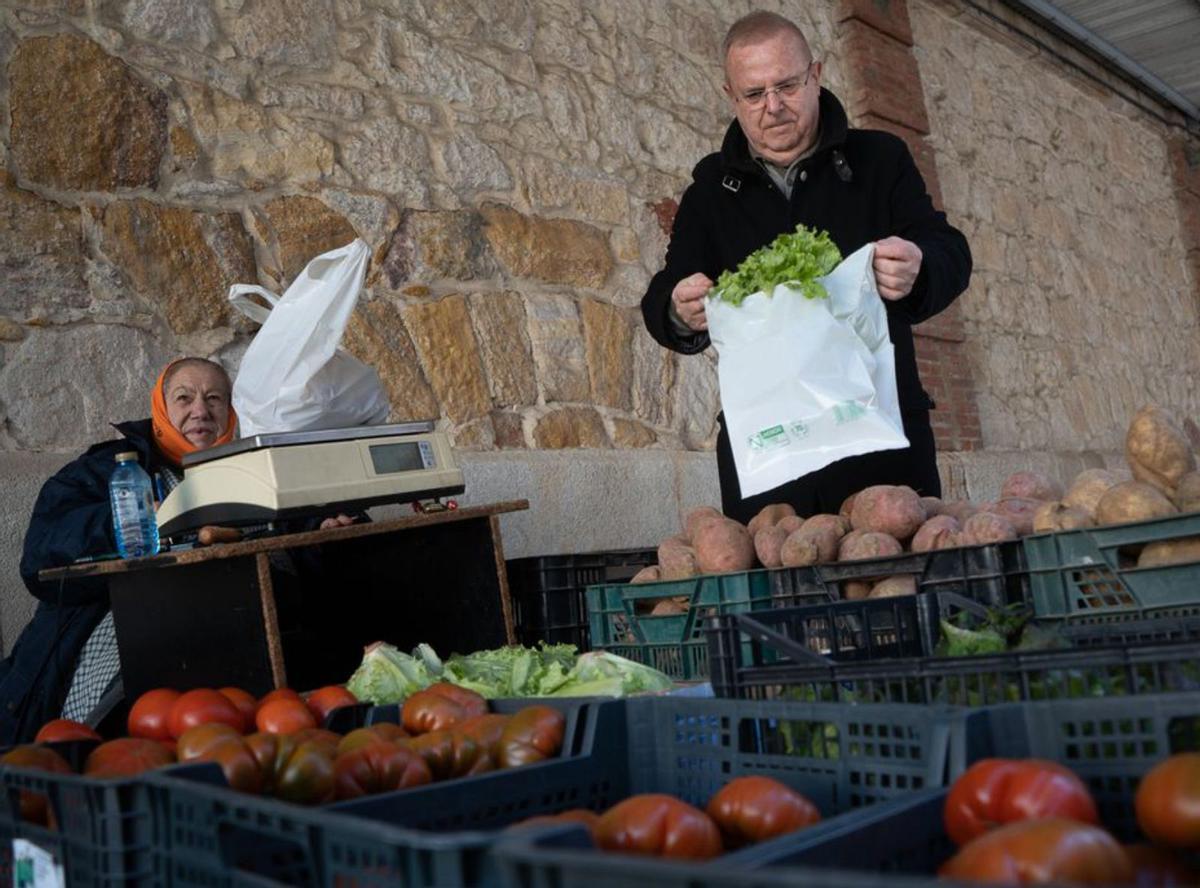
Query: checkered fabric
pixel 98 667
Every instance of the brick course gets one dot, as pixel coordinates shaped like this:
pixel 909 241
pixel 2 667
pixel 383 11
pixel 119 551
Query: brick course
pixel 886 93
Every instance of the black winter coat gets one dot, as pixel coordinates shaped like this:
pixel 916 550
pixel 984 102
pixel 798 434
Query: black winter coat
pixel 860 186
pixel 71 519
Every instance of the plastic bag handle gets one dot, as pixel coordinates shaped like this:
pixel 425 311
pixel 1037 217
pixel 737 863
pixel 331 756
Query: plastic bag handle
pixel 239 298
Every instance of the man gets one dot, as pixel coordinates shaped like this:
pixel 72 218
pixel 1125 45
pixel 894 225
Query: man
pixel 790 158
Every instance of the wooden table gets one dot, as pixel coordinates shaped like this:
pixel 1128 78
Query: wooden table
pixel 233 614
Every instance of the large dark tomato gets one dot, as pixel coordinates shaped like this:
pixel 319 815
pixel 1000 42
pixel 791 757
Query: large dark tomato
pixel 126 757
pixel 379 767
pixel 659 825
pixel 245 703
pixel 222 744
pixel 754 809
pixel 292 770
pixel 1040 852
pixel 150 716
pixel 324 700
pixel 1168 802
pixel 62 729
pixel 382 732
pixel 440 706
pixel 1159 868
pixel 486 730
pixel 201 707
pixel 34 807
pixel 284 716
pixel 451 754
pixel 533 734
pixel 993 792
pixel 278 694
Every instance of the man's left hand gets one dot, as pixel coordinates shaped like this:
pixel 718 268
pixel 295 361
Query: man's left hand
pixel 897 263
pixel 337 521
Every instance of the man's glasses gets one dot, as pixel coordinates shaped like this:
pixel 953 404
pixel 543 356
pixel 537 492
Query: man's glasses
pixel 789 89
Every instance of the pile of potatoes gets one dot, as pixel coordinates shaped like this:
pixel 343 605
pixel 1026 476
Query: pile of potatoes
pixel 887 520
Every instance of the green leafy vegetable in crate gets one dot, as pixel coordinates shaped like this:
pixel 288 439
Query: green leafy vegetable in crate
pixel 388 675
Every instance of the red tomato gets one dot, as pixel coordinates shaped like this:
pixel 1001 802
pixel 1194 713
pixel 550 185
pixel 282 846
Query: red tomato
pixel 324 700
pixel 451 754
pixel 533 734
pixel 993 792
pixel 380 767
pixel 34 807
pixel 1159 868
pixel 659 825
pixel 440 706
pixel 1168 802
pixel 201 707
pixel 126 757
pixel 754 809
pixel 64 729
pixel 245 703
pixel 277 694
pixel 151 714
pixel 284 716
pixel 1039 852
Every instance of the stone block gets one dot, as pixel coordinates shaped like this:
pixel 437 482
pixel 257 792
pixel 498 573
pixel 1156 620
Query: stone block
pixel 570 427
pixel 558 187
pixel 499 320
pixel 434 244
pixel 300 228
pixel 608 337
pixel 558 349
pixel 557 251
pixel 172 21
pixel 65 95
pixel 41 252
pixel 508 429
pixel 377 336
pixel 180 260
pixel 630 434
pixel 297 33
pixel 473 166
pixel 449 353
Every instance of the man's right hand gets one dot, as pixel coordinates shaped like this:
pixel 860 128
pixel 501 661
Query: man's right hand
pixel 688 301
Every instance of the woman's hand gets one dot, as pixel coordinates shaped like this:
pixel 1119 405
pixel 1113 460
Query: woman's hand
pixel 337 521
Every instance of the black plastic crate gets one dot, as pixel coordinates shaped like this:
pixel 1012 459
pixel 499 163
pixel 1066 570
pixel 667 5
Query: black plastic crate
pixel 900 843
pixel 104 831
pixel 548 591
pixel 842 758
pixel 995 574
pixel 1110 744
pixel 773 666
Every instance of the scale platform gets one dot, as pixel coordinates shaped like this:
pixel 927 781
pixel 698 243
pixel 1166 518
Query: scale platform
pixel 271 477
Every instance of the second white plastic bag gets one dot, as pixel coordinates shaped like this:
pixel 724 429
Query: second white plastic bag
pixel 806 382
pixel 293 376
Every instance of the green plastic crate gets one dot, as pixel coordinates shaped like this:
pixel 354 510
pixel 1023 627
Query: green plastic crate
pixel 1093 575
pixel 674 644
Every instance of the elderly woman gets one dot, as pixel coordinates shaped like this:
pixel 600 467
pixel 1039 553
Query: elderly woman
pixel 66 657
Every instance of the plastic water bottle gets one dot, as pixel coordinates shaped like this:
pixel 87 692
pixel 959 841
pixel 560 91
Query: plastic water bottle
pixel 132 499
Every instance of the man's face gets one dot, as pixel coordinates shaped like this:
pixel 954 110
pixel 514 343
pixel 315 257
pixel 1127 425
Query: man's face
pixel 778 126
pixel 198 403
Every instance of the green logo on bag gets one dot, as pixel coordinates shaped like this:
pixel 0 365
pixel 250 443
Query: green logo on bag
pixel 848 411
pixel 768 439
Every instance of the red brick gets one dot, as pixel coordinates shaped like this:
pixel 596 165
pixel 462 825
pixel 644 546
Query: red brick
pixel 888 16
pixel 885 78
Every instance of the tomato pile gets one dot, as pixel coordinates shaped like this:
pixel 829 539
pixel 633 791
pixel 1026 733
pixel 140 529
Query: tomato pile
pixel 273 745
pixel 745 811
pixel 1033 822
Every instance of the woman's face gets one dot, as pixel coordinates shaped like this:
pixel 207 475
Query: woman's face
pixel 198 403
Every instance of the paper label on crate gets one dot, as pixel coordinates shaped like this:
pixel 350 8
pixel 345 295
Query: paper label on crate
pixel 35 867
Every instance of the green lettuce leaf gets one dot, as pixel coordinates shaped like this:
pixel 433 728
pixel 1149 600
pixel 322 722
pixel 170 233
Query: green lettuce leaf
pixel 388 675
pixel 794 258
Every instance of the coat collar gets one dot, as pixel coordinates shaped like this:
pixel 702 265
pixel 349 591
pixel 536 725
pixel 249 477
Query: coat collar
pixel 735 150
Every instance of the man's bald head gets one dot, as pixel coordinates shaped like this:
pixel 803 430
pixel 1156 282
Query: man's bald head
pixel 757 27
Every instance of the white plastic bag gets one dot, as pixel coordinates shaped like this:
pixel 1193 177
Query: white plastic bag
pixel 293 376
pixel 806 382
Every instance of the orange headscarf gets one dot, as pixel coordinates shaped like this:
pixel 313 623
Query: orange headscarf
pixel 168 439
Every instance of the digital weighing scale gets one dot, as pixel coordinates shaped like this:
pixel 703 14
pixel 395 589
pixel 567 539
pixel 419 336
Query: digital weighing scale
pixel 269 477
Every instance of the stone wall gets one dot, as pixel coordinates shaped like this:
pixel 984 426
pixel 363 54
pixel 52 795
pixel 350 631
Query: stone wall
pixel 514 168
pixel 1082 306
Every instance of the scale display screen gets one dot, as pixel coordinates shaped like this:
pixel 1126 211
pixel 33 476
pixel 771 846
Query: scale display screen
pixel 401 457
